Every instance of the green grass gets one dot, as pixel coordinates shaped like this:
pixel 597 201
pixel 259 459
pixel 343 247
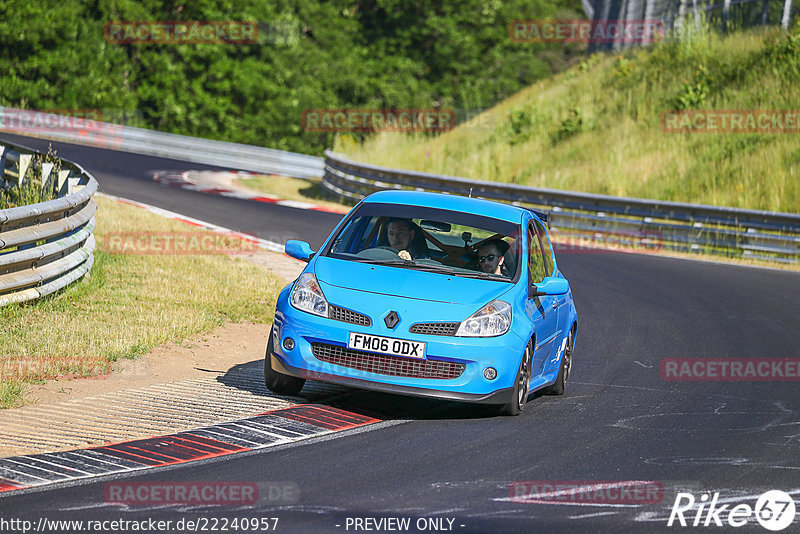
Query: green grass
pixel 131 304
pixel 11 393
pixel 597 127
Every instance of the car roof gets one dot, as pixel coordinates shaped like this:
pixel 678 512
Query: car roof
pixel 477 206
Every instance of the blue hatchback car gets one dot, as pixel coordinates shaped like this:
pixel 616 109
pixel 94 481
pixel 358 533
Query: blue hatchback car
pixel 431 295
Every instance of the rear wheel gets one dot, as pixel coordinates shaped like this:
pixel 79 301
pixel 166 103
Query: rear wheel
pixel 521 385
pixel 278 382
pixel 564 369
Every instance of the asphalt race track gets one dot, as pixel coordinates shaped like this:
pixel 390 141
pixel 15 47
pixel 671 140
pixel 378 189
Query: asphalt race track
pixel 618 422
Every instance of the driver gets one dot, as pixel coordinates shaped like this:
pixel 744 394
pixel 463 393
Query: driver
pixel 401 234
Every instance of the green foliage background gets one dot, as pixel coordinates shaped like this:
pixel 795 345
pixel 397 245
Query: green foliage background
pixel 372 53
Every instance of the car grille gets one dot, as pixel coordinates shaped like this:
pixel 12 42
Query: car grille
pixel 384 364
pixel 435 329
pixel 348 316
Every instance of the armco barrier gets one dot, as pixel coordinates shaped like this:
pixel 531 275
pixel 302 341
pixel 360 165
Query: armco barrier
pixel 45 246
pixel 152 143
pixel 646 224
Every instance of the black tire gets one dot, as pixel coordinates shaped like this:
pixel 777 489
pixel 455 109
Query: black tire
pixel 277 382
pixel 564 369
pixel 521 385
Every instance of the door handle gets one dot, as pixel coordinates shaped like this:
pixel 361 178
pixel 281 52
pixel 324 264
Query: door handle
pixel 555 304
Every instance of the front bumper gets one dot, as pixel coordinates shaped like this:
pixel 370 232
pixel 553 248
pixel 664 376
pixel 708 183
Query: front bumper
pixel 503 353
pixel 501 396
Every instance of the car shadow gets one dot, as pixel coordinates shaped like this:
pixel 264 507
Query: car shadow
pixel 250 377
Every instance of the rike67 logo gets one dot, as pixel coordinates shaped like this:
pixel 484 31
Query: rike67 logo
pixel 774 510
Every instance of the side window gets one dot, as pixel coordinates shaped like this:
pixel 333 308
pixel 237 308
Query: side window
pixel 347 240
pixel 369 235
pixel 536 264
pixel 548 252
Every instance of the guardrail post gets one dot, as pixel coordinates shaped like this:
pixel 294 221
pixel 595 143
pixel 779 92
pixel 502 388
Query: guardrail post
pixel 47 168
pixel 726 7
pixel 61 186
pixel 787 10
pixel 2 167
pixel 681 15
pixel 24 163
pixel 72 184
pixel 647 11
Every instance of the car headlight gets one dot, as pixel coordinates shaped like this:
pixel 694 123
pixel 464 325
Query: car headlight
pixel 307 296
pixel 493 319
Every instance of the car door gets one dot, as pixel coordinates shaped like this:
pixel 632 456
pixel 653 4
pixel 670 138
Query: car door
pixel 561 301
pixel 542 309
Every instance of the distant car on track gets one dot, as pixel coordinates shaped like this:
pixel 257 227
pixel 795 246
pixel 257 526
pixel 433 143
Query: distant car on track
pixel 431 295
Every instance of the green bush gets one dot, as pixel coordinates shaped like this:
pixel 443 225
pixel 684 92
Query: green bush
pixel 375 53
pixel 570 126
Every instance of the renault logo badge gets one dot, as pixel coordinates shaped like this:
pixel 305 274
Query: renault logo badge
pixel 391 319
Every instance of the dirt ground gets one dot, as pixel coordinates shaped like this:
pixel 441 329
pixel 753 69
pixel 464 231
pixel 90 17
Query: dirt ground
pixel 218 350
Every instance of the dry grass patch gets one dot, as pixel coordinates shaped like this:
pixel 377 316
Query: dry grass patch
pixel 131 304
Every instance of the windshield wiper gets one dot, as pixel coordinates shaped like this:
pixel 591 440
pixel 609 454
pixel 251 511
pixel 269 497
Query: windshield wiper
pixel 413 265
pixel 439 269
pixel 481 276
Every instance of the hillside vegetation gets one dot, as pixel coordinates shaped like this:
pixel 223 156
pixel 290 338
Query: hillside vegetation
pixel 308 55
pixel 597 127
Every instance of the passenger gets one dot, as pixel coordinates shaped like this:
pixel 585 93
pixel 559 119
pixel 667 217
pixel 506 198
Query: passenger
pixel 491 257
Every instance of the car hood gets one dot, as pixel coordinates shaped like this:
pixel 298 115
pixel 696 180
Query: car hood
pixel 407 283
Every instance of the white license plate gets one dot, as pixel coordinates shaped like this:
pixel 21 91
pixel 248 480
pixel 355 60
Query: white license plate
pixel 386 345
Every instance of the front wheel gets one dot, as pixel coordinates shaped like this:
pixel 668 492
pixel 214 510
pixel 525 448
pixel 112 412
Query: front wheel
pixel 564 369
pixel 278 382
pixel 521 385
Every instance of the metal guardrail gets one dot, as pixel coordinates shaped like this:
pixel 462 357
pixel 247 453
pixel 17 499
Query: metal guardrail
pixel 46 246
pixel 637 223
pixel 153 143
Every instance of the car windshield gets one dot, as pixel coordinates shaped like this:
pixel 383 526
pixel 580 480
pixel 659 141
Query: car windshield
pixel 431 240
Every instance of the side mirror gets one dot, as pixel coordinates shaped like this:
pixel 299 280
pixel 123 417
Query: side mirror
pixel 299 250
pixel 551 285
